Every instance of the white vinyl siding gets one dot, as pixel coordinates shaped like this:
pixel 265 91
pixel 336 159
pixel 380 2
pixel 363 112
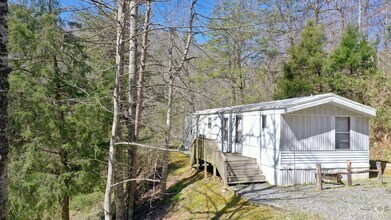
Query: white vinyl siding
pixel 317 132
pixel 303 132
pixel 328 159
pixel 359 133
pixel 251 137
pixel 288 177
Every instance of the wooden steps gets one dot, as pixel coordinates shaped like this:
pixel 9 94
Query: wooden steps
pixel 241 169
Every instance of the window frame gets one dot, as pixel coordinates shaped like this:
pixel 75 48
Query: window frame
pixel 209 122
pixel 337 145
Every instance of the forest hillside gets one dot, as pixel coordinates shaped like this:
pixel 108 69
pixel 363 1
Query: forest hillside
pixel 99 90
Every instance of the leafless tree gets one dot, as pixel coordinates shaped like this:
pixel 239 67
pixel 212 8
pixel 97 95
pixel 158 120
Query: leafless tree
pixel 119 70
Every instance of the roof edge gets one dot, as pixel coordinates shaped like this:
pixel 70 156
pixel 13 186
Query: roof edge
pixel 350 104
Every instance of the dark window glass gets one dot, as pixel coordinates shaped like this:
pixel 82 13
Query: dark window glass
pixel 209 123
pixel 342 133
pixel 225 133
pixel 238 128
pixel 264 121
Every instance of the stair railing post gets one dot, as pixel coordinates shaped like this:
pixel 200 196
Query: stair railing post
pixel 379 172
pixel 205 163
pixel 319 177
pixel 350 173
pixel 197 154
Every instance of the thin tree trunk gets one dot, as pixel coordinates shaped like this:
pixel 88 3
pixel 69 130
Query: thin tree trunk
pixel 64 202
pixel 170 93
pixel 317 11
pixel 65 208
pixel 132 150
pixel 359 16
pixel 4 71
pixel 114 129
pixel 238 61
pixel 167 135
pixel 141 75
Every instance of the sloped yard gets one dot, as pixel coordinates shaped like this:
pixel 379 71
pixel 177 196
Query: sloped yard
pixel 191 196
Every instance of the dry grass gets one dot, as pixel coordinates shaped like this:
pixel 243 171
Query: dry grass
pixel 195 197
pixel 381 150
pixel 207 199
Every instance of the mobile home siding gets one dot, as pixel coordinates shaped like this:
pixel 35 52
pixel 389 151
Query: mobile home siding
pixel 359 133
pixel 251 140
pixel 307 132
pixel 288 177
pixel 317 132
pixel 328 159
pixel 299 133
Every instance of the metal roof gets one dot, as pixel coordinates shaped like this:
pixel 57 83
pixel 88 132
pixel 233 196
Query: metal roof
pixel 295 104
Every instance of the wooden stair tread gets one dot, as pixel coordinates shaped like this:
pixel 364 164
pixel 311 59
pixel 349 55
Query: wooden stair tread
pixel 241 169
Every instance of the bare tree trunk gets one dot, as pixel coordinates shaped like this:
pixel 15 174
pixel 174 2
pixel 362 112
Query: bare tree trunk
pixel 170 93
pixel 4 71
pixel 238 62
pixel 340 9
pixel 167 135
pixel 132 150
pixel 141 75
pixel 359 16
pixel 119 59
pixel 317 11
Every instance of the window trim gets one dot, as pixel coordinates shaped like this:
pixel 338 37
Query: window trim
pixel 342 132
pixel 209 122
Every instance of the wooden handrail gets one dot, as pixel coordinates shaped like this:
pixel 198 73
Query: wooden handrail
pixel 208 151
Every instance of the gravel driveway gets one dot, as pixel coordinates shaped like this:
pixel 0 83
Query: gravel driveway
pixel 365 200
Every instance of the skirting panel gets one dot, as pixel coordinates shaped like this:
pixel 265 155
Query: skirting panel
pixel 289 177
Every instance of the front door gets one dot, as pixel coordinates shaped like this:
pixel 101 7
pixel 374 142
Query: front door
pixel 238 138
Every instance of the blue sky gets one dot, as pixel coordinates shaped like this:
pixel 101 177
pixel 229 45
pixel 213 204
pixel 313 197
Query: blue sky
pixel 204 7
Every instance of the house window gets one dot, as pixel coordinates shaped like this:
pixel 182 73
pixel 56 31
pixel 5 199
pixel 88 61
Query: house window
pixel 264 121
pixel 209 123
pixel 225 133
pixel 342 133
pixel 238 129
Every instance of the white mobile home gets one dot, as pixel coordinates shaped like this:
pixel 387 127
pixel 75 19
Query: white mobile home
pixel 287 138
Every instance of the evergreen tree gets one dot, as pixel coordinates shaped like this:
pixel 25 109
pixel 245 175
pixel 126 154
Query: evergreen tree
pixel 303 73
pixel 232 49
pixel 56 127
pixel 351 64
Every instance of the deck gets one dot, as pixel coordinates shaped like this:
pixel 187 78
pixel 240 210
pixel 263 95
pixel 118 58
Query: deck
pixel 232 168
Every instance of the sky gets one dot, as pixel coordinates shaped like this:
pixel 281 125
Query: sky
pixel 159 11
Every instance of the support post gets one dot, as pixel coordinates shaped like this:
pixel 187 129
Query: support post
pixel 379 172
pixel 319 177
pixel 214 172
pixel 350 173
pixel 197 154
pixel 205 164
pixel 205 170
